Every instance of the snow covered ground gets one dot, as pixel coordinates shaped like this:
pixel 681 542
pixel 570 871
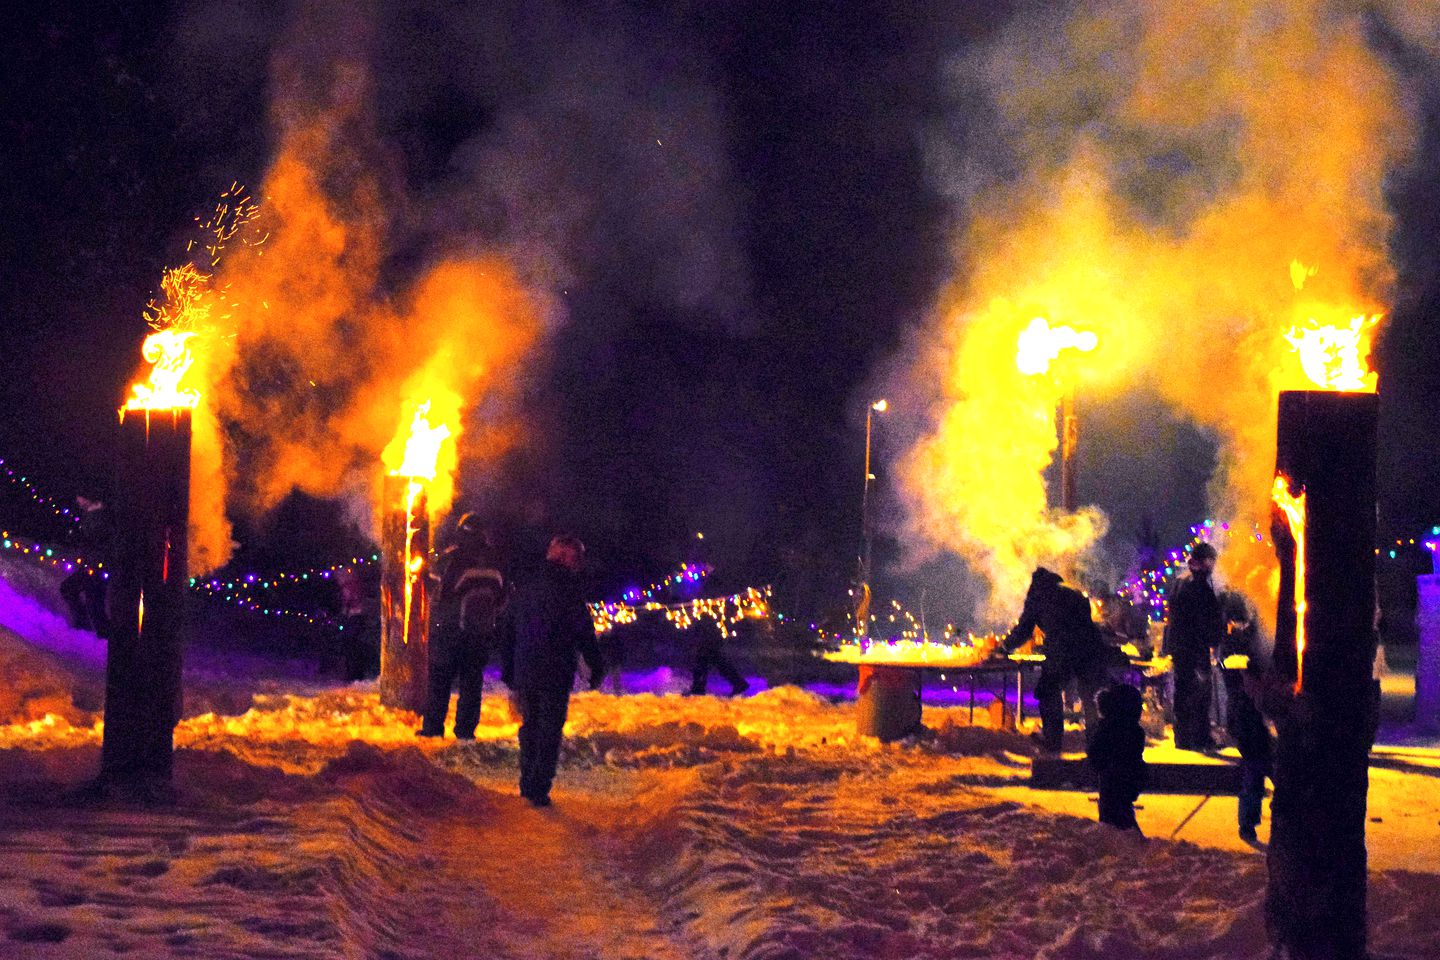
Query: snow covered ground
pixel 312 824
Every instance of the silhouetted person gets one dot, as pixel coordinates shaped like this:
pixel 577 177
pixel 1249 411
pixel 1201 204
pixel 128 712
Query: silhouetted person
pixel 1117 755
pixel 360 626
pixel 1243 720
pixel 710 654
pixel 464 624
pixel 84 589
pixel 1073 651
pixel 552 625
pixel 1196 629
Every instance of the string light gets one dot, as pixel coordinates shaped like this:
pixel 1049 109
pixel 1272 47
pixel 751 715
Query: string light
pixel 57 507
pixel 689 573
pixel 752 603
pixel 48 556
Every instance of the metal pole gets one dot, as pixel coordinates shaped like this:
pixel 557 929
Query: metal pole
pixel 865 504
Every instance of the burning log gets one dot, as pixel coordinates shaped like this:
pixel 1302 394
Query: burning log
pixel 408 495
pixel 404 610
pixel 1326 703
pixel 147 596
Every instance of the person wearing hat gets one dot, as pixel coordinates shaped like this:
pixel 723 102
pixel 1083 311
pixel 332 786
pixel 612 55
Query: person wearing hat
pixel 1196 629
pixel 1074 651
pixel 469 599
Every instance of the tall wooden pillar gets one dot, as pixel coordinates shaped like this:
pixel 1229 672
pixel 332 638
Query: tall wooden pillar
pixel 148 584
pixel 404 607
pixel 1324 700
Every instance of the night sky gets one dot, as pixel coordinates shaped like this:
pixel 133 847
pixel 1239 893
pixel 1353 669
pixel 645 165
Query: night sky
pixel 722 332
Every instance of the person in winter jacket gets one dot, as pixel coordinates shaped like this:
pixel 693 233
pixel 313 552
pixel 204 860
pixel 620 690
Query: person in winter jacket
pixel 1117 755
pixel 1073 651
pixel 1195 630
pixel 84 589
pixel 464 623
pixel 552 625
pixel 1243 720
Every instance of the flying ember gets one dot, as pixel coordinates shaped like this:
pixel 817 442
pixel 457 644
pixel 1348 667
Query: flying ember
pixel 1040 344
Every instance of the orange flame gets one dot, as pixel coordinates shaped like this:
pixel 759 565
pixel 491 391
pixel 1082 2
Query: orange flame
pixel 1040 344
pixel 1293 508
pixel 422 446
pixel 1336 356
pixel 169 353
pixel 415 454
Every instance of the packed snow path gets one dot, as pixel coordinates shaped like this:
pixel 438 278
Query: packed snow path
pixel 314 825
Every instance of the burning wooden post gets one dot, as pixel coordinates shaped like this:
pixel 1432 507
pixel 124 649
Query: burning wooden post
pixel 149 578
pixel 1325 703
pixel 404 610
pixel 405 550
pixel 1037 348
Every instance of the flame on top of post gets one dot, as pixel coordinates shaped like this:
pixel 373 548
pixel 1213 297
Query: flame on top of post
pixel 170 356
pixel 1292 507
pixel 422 446
pixel 1334 352
pixel 1336 356
pixel 1040 344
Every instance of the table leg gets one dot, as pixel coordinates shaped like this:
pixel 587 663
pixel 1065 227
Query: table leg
pixel 1019 697
pixel 972 698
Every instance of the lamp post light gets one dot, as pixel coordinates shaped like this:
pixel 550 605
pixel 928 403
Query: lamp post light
pixel 862 600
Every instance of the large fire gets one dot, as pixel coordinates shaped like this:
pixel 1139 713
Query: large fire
pixel 170 356
pixel 1040 344
pixel 422 446
pixel 1292 507
pixel 1336 356
pixel 416 455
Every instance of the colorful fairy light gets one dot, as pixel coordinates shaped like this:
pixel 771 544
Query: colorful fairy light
pixel 57 507
pixel 752 603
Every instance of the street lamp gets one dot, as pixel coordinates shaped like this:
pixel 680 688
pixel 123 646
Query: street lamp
pixel 862 600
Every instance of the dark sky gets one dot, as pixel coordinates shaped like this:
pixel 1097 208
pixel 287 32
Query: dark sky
pixel 739 409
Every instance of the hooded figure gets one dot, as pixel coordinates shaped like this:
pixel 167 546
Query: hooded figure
pixel 1195 630
pixel 1073 650
pixel 1117 755
pixel 464 625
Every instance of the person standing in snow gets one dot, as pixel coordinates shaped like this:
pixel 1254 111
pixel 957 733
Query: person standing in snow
pixel 1195 630
pixel 84 589
pixel 1073 651
pixel 463 628
pixel 1117 755
pixel 552 624
pixel 1243 720
pixel 710 654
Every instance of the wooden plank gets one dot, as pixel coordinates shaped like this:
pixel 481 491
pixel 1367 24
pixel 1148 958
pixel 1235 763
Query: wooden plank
pixel 1059 773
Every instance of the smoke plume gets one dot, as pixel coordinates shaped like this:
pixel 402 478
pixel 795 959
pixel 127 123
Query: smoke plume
pixel 1153 172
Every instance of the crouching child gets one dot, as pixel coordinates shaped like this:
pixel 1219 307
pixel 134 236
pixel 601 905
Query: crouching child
pixel 1117 755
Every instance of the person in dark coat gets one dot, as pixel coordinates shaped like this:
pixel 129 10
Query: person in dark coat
pixel 1196 629
pixel 710 654
pixel 1117 755
pixel 464 624
pixel 552 624
pixel 1243 720
pixel 359 626
pixel 84 589
pixel 1073 651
